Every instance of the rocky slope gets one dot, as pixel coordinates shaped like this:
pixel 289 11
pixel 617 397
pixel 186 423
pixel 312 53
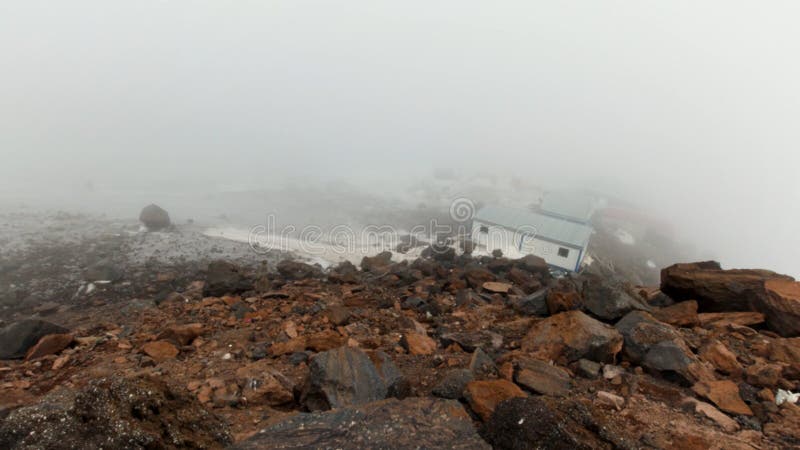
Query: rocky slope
pixel 443 352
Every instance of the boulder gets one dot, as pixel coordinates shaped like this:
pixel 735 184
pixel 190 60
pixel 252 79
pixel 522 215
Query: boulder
pixel 484 396
pixel 658 346
pixel 723 319
pixel 412 423
pixel 533 264
pixel 345 272
pixel 378 263
pixel 714 289
pixel 160 351
pixel 534 304
pixel 296 270
pixel 342 377
pixel 543 378
pixel 536 422
pixel 608 299
pixel 17 338
pixel 223 278
pixel 570 336
pixel 781 306
pixel 482 365
pixel 718 355
pixel 682 314
pixel 115 413
pixel 453 383
pixel 262 385
pixel 724 394
pixel 154 217
pixel 49 345
pixel 418 344
pixel 471 340
pixel 181 334
pixel 477 276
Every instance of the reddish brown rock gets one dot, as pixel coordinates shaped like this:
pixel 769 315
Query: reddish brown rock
pixel 496 287
pixel 683 314
pixel 723 319
pixel 49 345
pixel 476 277
pixel 160 350
pixel 714 289
pixel 563 301
pixel 324 341
pixel 764 375
pixel 571 336
pixel 418 344
pixel 484 396
pixel 181 334
pixel 261 385
pixel 724 394
pixel 288 347
pixel 781 306
pixel 721 358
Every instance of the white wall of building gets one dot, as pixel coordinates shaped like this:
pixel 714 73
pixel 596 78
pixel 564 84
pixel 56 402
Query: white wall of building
pixel 490 237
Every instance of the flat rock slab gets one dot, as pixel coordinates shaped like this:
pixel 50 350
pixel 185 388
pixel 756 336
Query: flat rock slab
pixel 397 424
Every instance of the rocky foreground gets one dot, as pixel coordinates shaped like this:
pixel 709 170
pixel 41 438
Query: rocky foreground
pixel 449 351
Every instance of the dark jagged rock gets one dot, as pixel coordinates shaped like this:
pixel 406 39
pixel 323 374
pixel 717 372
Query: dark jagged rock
pixel 658 346
pixel 471 340
pixel 121 413
pixel 154 217
pixel 532 305
pixel 533 422
pixel 345 272
pixel 223 278
pixel 17 338
pixel 378 263
pixel 342 377
pixel 453 384
pixel 607 299
pixel 412 423
pixel 482 365
pixel 296 270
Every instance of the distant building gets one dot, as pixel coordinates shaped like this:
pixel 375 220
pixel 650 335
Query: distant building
pixel 559 240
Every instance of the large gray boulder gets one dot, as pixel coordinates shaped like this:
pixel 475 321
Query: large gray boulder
pixel 154 217
pixel 412 423
pixel 660 347
pixel 607 299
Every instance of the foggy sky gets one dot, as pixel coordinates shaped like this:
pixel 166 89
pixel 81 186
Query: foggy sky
pixel 689 108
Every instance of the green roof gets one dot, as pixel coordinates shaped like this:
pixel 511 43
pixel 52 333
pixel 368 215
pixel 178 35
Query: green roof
pixel 541 225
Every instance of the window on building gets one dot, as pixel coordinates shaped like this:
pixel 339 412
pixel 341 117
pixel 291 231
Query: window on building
pixel 484 229
pixel 563 252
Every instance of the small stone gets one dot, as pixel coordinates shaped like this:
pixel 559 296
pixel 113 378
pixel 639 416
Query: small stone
pixel 453 384
pixel 609 399
pixel 482 365
pixel 496 287
pixel 418 344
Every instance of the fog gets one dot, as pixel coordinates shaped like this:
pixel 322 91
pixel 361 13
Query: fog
pixel 688 109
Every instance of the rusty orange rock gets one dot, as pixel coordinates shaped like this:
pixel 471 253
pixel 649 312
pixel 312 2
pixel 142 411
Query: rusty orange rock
pixel 160 351
pixel 484 396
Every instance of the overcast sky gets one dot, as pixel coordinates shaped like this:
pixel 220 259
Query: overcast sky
pixel 691 108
